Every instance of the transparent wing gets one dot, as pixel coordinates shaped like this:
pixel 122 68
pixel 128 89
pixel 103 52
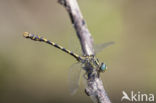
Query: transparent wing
pixel 74 77
pixel 100 47
pixel 74 44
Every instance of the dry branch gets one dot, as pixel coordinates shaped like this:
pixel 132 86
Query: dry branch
pixel 94 83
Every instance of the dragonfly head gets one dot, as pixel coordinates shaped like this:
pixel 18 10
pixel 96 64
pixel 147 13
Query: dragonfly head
pixel 103 67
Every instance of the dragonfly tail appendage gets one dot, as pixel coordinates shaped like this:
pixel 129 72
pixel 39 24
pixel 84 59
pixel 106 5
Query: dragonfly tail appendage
pixel 42 39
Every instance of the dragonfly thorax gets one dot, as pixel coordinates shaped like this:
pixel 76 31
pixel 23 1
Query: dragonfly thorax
pixel 93 62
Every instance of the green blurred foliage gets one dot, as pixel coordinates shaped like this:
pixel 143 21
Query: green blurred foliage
pixel 33 72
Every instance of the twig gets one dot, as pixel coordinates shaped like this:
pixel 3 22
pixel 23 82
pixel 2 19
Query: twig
pixel 94 83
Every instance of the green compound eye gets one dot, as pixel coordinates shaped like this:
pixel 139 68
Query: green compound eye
pixel 103 67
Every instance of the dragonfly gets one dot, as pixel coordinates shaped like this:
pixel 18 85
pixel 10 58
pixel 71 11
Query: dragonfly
pixel 89 61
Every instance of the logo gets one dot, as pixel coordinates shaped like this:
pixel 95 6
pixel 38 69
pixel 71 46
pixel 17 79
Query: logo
pixel 137 97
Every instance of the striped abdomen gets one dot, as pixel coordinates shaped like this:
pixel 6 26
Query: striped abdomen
pixel 42 39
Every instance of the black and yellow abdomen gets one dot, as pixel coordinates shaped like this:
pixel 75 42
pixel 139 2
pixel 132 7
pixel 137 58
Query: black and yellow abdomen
pixel 42 39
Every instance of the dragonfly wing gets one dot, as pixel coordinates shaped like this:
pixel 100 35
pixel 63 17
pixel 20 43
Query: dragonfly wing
pixel 74 44
pixel 74 77
pixel 100 47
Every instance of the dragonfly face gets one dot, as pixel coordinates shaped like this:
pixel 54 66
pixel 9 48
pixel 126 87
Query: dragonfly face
pixel 103 67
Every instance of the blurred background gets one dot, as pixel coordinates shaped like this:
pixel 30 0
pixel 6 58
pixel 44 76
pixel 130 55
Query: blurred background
pixel 33 72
